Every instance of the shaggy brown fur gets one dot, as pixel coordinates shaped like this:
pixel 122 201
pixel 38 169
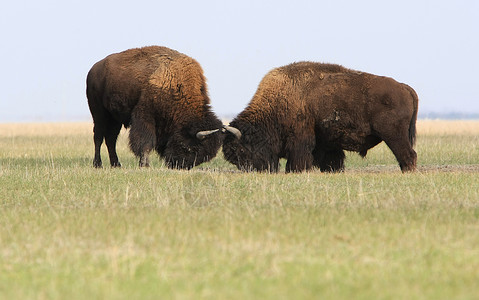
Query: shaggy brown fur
pixel 161 95
pixel 309 113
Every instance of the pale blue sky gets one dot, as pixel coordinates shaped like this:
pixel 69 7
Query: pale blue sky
pixel 47 47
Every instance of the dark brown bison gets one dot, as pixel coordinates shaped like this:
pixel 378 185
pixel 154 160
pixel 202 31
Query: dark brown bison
pixel 161 95
pixel 309 113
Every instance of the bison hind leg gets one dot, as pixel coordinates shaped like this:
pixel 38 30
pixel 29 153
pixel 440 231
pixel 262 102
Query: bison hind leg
pixel 402 149
pixel 98 139
pixel 111 137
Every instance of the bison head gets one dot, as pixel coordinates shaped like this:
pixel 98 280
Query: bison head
pixel 249 150
pixel 193 145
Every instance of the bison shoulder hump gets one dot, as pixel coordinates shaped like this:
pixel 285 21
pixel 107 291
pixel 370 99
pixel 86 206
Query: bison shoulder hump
pixel 180 70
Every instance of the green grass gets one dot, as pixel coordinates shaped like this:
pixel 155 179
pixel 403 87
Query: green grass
pixel 69 231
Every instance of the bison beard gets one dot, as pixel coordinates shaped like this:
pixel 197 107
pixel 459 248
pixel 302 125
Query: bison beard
pixel 161 95
pixel 309 113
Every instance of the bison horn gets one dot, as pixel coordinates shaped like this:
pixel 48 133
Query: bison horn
pixel 232 130
pixel 202 134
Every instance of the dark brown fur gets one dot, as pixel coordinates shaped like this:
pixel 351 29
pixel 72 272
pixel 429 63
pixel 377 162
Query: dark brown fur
pixel 161 95
pixel 309 113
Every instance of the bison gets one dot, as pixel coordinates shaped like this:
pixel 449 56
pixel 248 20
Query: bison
pixel 309 113
pixel 161 95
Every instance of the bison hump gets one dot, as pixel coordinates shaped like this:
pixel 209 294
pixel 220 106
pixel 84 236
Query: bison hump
pixel 173 74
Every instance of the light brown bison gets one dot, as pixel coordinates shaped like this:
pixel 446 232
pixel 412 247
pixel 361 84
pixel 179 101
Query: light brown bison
pixel 309 113
pixel 161 95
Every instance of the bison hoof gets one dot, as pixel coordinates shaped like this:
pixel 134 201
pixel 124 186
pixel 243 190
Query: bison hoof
pixel 116 165
pixel 144 165
pixel 97 164
pixel 406 169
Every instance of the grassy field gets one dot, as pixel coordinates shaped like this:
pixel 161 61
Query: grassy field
pixel 69 231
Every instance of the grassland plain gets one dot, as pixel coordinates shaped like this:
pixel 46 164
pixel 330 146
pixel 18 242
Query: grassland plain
pixel 69 231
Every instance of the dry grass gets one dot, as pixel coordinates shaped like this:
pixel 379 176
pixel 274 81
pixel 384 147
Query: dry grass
pixel 441 127
pixel 45 129
pixel 424 127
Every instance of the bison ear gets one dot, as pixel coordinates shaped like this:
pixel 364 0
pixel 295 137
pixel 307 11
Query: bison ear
pixel 233 130
pixel 201 135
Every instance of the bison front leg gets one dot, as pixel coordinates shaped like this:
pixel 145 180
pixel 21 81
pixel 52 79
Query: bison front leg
pixel 300 156
pixel 329 160
pixel 142 138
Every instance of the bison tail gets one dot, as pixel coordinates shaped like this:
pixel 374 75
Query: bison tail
pixel 412 124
